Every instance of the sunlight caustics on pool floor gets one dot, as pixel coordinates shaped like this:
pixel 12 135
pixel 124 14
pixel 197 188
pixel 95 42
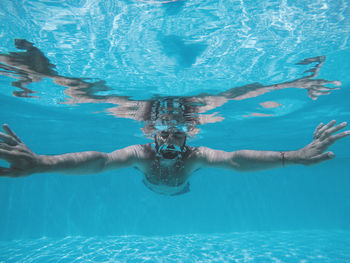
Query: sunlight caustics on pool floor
pixel 275 246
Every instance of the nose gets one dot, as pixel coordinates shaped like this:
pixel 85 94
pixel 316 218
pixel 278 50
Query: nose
pixel 170 138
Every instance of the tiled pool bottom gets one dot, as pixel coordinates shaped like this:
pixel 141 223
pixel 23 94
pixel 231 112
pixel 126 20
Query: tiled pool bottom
pixel 299 246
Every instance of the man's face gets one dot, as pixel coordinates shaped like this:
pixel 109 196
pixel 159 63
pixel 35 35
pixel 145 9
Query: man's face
pixel 170 142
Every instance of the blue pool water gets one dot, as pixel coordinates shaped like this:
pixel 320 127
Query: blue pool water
pixel 114 61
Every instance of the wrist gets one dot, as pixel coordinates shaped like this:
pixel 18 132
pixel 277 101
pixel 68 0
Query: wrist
pixel 292 157
pixel 43 164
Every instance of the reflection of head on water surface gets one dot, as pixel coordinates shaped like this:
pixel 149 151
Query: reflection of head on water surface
pixel 186 111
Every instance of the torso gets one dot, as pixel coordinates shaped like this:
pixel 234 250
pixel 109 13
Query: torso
pixel 167 172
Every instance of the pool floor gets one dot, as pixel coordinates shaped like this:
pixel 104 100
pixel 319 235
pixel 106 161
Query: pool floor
pixel 276 246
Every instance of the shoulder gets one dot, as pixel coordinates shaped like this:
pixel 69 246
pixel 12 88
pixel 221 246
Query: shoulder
pixel 195 153
pixel 198 152
pixel 208 155
pixel 140 151
pixel 194 158
pixel 135 152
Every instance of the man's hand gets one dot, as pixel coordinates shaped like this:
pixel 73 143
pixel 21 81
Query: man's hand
pixel 324 137
pixel 316 87
pixel 23 161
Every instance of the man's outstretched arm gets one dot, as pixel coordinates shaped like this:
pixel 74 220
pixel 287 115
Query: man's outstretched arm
pixel 251 160
pixel 24 162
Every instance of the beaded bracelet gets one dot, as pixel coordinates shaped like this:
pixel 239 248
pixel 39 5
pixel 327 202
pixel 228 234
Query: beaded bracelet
pixel 283 158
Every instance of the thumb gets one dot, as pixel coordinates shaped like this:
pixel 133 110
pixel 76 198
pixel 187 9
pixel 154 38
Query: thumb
pixel 311 94
pixel 322 157
pixel 5 171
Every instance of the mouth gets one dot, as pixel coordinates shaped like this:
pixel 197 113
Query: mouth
pixel 169 151
pixel 170 147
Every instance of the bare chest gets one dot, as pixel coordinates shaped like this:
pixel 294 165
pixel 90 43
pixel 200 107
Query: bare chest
pixel 167 172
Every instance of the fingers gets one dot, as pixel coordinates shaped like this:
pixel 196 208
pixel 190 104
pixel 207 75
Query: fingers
pixel 323 82
pixel 318 130
pixel 9 136
pixel 11 133
pixel 324 128
pixel 323 133
pixel 328 132
pixel 6 155
pixel 311 60
pixel 339 136
pixel 8 139
pixel 337 83
pixel 337 128
pixel 5 146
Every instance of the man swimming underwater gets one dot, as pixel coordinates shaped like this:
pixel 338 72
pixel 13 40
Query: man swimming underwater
pixel 168 163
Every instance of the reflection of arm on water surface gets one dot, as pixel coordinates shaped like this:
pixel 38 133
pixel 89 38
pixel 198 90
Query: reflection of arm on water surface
pixel 34 63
